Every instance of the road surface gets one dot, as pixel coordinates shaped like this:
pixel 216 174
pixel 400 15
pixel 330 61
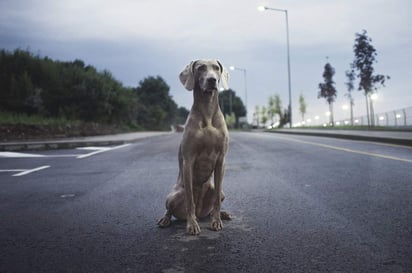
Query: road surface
pixel 299 203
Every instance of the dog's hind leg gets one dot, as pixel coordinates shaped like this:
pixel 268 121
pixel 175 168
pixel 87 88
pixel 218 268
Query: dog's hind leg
pixel 174 207
pixel 224 215
pixel 165 221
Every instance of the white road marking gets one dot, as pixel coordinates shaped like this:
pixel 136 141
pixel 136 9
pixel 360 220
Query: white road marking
pixel 347 150
pixel 25 172
pixel 98 150
pixel 22 172
pixel 18 155
pixel 68 195
pixel 25 155
pixel 12 171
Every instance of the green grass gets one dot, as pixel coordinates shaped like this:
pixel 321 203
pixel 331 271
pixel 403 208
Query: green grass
pixel 13 118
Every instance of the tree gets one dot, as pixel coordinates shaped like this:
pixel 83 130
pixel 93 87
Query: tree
pixel 284 118
pixel 365 57
pixel 349 84
pixel 39 86
pixel 230 120
pixel 271 110
pixel 302 106
pixel 256 115
pixel 182 114
pixel 327 89
pixel 275 107
pixel 263 115
pixel 230 103
pixel 158 108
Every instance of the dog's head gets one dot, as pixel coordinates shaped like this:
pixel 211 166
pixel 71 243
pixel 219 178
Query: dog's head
pixel 204 75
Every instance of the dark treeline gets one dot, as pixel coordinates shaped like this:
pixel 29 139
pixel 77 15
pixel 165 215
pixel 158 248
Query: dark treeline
pixel 36 85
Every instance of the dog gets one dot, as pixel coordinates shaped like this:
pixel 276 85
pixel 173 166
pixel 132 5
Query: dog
pixel 198 191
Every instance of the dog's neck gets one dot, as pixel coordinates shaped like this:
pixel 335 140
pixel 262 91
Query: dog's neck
pixel 206 105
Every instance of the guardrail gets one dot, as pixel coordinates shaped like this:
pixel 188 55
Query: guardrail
pixel 397 118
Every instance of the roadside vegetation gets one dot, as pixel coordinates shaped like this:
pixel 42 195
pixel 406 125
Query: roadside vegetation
pixel 72 98
pixel 361 70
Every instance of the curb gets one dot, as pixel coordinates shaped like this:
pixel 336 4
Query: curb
pixel 67 143
pixel 388 140
pixel 34 146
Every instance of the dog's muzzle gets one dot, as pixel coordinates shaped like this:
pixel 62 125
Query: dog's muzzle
pixel 211 85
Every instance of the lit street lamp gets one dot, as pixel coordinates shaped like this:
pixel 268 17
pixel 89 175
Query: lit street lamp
pixel 245 79
pixel 263 8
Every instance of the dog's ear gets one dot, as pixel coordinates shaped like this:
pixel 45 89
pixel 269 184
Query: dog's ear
pixel 187 76
pixel 224 77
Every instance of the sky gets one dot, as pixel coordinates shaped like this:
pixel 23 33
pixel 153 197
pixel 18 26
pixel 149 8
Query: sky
pixel 135 39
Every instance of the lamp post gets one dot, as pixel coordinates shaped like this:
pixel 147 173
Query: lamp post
pixel 245 79
pixel 263 8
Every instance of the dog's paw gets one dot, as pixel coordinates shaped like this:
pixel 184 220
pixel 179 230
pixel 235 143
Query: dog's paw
pixel 164 222
pixel 224 215
pixel 193 227
pixel 216 224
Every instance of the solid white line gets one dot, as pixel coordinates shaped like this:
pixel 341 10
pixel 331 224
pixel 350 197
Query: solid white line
pixel 18 155
pixel 23 155
pixel 62 156
pixel 31 171
pixel 348 150
pixel 12 171
pixel 99 150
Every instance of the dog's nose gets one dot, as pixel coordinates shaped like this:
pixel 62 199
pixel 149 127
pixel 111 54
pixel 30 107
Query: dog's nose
pixel 211 81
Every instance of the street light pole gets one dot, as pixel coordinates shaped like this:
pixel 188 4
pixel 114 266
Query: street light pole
pixel 245 80
pixel 263 8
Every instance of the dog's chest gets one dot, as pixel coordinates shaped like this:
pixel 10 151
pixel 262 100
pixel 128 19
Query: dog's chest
pixel 209 144
pixel 210 140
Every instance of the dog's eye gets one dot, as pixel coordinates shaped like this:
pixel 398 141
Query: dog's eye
pixel 202 67
pixel 216 67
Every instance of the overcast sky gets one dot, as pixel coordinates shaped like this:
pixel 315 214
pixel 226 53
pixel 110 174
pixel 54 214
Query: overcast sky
pixel 138 38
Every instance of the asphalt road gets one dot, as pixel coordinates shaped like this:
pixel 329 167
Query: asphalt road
pixel 299 203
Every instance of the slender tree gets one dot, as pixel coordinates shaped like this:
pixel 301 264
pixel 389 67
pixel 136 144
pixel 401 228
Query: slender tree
pixel 302 106
pixel 275 107
pixel 349 84
pixel 271 112
pixel 365 57
pixel 263 115
pixel 257 115
pixel 327 89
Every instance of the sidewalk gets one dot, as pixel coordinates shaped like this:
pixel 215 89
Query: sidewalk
pixel 67 143
pixel 392 137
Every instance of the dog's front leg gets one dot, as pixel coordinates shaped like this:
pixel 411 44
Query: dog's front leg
pixel 215 220
pixel 192 226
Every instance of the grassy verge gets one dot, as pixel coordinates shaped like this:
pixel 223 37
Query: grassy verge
pixel 12 118
pixel 21 126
